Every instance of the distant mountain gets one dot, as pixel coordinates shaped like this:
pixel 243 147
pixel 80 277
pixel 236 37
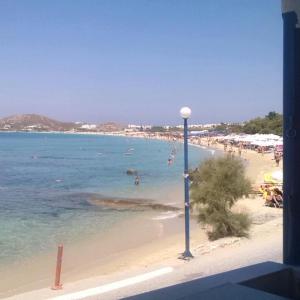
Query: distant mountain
pixel 33 122
pixel 110 126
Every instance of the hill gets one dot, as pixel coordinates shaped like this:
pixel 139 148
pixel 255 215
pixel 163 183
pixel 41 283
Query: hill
pixel 110 126
pixel 33 122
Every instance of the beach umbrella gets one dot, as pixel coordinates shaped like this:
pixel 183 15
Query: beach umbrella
pixel 274 177
pixel 263 143
pixel 273 137
pixel 278 175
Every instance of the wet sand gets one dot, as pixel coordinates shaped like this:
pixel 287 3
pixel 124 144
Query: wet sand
pixel 103 253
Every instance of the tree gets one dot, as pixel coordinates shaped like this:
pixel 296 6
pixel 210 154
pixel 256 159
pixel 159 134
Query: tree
pixel 271 123
pixel 215 186
pixel 157 129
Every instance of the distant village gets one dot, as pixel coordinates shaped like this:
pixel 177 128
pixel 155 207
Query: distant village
pixel 37 123
pixel 272 123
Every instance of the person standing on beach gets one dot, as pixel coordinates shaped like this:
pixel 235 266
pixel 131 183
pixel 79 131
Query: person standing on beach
pixel 240 150
pixel 230 150
pixel 244 145
pixel 277 158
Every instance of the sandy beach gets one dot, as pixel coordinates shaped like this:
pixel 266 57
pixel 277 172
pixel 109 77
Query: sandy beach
pixel 154 243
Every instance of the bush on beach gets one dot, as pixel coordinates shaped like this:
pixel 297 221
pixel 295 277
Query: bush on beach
pixel 215 186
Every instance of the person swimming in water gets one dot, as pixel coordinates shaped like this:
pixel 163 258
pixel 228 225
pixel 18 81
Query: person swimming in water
pixel 170 159
pixel 137 180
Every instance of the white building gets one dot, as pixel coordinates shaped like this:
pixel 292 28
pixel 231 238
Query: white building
pixel 138 127
pixel 88 126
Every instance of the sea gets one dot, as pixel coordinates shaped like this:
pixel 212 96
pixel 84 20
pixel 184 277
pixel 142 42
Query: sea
pixel 48 179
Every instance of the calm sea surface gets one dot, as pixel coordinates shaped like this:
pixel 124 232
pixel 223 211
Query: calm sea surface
pixel 46 181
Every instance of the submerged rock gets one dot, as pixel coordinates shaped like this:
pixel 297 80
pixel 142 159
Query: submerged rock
pixel 133 204
pixel 131 172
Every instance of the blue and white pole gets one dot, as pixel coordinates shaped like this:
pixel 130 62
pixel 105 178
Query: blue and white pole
pixel 291 131
pixel 185 113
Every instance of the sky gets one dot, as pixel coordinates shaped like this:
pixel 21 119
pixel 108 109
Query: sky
pixel 140 61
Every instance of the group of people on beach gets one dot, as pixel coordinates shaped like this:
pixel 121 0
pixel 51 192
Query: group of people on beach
pixel 228 147
pixel 272 195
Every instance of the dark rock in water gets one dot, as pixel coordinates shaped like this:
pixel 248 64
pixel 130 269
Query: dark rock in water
pixel 133 204
pixel 131 172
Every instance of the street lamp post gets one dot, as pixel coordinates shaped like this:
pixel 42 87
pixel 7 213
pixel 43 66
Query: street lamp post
pixel 185 113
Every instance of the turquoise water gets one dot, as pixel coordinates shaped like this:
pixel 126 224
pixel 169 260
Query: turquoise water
pixel 46 181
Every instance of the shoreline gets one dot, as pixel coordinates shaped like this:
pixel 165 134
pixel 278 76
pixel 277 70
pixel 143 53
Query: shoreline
pixel 41 265
pixel 163 244
pixel 93 254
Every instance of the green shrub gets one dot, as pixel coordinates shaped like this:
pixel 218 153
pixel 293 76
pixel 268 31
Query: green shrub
pixel 215 186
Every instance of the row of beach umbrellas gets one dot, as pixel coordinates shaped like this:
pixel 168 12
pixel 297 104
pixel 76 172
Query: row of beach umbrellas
pixel 266 140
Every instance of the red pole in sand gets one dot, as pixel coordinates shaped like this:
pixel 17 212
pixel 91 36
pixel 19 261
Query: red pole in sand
pixel 57 284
